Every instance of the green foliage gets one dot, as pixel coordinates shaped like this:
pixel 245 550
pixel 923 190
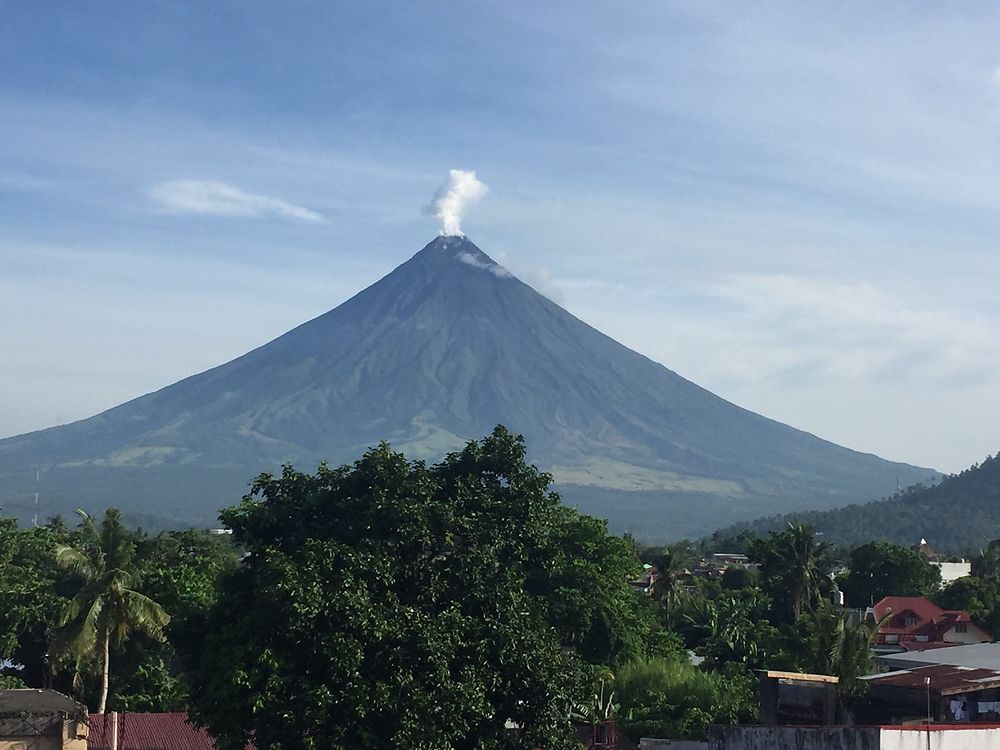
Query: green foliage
pixel 670 562
pixel 832 641
pixel 180 570
pixel 879 569
pixel 980 597
pixel 738 577
pixel 794 569
pixel 986 564
pixel 731 628
pixel 106 608
pixel 578 577
pixel 388 604
pixel 32 596
pixel 671 698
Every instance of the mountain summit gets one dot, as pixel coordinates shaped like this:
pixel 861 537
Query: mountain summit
pixel 438 352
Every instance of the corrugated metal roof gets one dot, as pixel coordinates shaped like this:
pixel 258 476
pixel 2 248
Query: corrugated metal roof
pixel 138 731
pixel 946 679
pixel 28 700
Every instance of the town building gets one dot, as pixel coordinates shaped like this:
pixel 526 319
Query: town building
pixel 916 623
pixel 41 720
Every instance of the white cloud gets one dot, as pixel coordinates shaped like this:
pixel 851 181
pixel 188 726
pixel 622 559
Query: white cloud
pixel 207 198
pixel 494 268
pixel 451 199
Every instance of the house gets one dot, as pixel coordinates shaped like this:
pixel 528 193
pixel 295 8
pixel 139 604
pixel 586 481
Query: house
pixel 41 720
pixel 646 580
pixel 146 731
pixel 913 622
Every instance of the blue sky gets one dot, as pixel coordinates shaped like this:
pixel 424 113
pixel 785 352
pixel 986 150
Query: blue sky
pixel 795 206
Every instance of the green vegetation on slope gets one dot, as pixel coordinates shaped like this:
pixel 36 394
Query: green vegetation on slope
pixel 958 516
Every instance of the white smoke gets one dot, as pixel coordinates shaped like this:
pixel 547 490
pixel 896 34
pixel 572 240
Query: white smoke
pixel 458 191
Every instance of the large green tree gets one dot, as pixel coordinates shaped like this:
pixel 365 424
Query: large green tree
pixel 879 569
pixel 106 608
pixel 391 604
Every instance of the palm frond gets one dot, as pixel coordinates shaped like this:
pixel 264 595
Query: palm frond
pixel 75 561
pixel 144 614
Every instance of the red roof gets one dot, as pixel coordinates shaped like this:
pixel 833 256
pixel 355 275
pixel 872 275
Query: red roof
pixel 930 619
pixel 148 732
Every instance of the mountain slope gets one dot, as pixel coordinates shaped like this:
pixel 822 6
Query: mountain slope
pixel 959 515
pixel 437 352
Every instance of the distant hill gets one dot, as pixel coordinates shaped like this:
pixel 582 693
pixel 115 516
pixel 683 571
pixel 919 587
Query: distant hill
pixel 959 515
pixel 436 353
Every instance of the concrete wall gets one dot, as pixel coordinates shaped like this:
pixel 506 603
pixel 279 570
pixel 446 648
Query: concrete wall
pixel 952 571
pixel 66 734
pixel 852 738
pixel 793 738
pixel 940 739
pixel 970 636
pixel 653 743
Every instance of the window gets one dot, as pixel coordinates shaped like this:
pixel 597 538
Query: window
pixel 961 627
pixel 910 620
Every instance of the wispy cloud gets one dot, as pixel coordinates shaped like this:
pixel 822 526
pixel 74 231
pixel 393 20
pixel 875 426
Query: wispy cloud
pixel 853 331
pixel 207 198
pixel 493 268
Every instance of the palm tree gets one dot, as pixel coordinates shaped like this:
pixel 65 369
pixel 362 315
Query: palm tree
pixel 793 567
pixel 670 563
pixel 839 643
pixel 106 609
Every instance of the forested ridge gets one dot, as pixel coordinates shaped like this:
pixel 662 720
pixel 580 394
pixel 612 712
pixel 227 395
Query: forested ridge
pixel 960 515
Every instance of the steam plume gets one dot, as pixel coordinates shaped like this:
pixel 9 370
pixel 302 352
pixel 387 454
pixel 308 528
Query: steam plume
pixel 458 191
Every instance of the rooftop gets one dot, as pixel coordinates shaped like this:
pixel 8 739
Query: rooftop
pixel 38 702
pixel 979 655
pixel 141 731
pixel 945 679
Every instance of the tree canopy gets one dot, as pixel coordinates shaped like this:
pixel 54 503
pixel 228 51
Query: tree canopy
pixel 879 569
pixel 391 604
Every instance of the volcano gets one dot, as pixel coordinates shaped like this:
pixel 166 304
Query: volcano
pixel 438 352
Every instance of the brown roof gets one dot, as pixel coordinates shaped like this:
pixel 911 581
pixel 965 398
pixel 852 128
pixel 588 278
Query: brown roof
pixel 946 679
pixel 148 732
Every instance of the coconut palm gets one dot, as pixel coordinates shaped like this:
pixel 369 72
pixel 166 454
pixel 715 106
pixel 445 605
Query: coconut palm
pixel 107 608
pixel 838 642
pixel 670 563
pixel 793 567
